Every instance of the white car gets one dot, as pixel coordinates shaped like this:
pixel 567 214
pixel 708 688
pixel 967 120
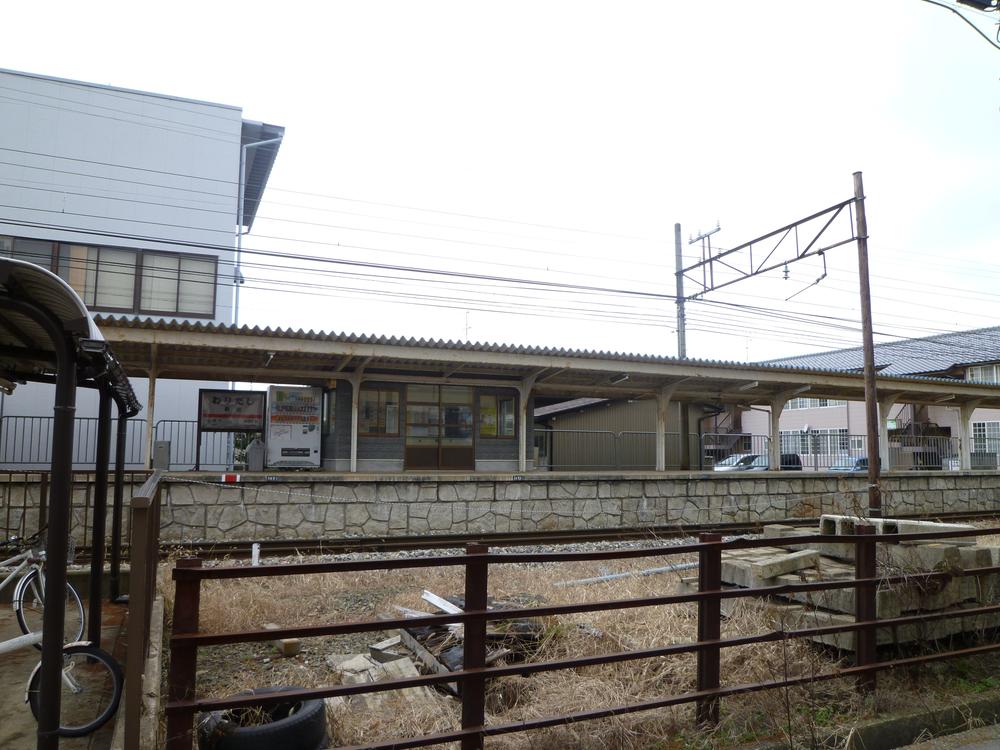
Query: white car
pixel 741 462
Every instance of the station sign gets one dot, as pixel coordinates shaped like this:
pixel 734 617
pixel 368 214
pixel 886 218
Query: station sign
pixel 231 411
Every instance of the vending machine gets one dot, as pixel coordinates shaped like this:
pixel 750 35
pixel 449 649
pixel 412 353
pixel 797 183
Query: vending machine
pixel 293 427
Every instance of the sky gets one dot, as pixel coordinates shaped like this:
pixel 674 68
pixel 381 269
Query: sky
pixel 539 143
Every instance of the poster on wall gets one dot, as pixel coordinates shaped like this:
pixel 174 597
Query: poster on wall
pixel 294 416
pixel 231 411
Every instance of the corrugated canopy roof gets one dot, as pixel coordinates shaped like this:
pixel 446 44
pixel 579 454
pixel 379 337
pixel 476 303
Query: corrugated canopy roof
pixel 26 351
pixel 201 351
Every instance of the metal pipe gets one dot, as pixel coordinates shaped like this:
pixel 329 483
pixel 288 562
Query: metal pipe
pixel 114 582
pixel 53 618
pixel 100 515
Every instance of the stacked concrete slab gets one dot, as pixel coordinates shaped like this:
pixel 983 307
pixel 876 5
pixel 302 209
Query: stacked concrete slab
pixel 788 562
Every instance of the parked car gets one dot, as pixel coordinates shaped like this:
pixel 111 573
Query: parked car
pixel 739 462
pixel 850 464
pixel 758 462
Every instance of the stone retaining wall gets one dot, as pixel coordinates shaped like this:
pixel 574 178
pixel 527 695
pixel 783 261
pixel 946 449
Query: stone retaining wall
pixel 197 507
pixel 406 505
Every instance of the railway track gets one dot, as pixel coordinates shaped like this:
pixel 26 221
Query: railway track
pixel 342 545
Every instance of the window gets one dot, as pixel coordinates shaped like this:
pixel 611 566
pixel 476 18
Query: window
pixel 496 416
pixel 813 403
pixel 985 437
pixel 124 279
pixel 178 284
pixel 104 277
pixel 329 411
pixel 378 412
pixel 38 252
pixel 983 374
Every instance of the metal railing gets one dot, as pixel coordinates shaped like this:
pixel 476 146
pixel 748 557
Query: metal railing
pixel 474 675
pixel 26 442
pixel 924 453
pixel 216 447
pixel 725 448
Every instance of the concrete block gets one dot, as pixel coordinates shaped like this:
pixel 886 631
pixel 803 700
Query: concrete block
pixel 920 557
pixel 975 557
pixel 788 562
pixel 285 646
pixel 931 596
pixel 887 601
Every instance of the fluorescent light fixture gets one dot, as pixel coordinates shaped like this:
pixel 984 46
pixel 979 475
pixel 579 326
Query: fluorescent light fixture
pixel 944 398
pixel 748 386
pixel 619 378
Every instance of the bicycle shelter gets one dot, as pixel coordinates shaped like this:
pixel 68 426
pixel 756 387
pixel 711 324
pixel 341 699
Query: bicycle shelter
pixel 47 335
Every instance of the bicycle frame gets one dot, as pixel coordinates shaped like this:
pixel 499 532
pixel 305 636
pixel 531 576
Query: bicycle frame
pixel 27 558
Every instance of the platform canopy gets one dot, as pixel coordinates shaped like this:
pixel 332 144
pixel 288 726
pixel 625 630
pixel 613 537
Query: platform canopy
pixel 200 351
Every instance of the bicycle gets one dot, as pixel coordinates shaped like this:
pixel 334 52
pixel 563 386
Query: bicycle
pixel 92 685
pixel 29 593
pixel 92 681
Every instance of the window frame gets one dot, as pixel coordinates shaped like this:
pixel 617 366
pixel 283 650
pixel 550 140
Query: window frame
pixel 995 372
pixel 382 404
pixel 135 308
pixel 805 402
pixel 140 310
pixel 498 397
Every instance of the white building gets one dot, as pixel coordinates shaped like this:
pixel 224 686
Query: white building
pixel 132 198
pixel 823 430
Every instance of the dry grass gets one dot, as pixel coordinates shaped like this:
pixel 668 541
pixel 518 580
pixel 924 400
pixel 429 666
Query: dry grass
pixel 801 716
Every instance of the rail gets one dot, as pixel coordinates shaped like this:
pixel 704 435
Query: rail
pixel 186 639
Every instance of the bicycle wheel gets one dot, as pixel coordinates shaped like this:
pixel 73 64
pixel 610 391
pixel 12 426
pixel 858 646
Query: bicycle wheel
pixel 29 599
pixel 92 684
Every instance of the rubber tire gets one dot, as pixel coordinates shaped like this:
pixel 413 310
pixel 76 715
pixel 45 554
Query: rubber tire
pixel 117 678
pixel 303 730
pixel 71 593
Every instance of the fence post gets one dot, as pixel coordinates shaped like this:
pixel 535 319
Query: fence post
pixel 709 616
pixel 136 657
pixel 474 689
pixel 864 605
pixel 183 658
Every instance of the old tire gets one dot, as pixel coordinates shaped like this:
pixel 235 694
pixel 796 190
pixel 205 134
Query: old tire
pixel 294 725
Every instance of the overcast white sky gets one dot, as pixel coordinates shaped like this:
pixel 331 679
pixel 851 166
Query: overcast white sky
pixel 590 129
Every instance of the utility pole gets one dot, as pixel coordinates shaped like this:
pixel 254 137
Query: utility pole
pixel 681 320
pixel 871 397
pixel 738 263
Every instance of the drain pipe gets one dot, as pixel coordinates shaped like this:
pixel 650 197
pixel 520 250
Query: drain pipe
pixel 114 578
pixel 97 538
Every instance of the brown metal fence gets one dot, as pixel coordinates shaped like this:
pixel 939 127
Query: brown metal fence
pixel 186 639
pixel 144 556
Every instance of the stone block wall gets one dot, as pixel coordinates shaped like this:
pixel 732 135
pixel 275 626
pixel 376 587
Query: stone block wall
pixel 411 505
pixel 315 505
